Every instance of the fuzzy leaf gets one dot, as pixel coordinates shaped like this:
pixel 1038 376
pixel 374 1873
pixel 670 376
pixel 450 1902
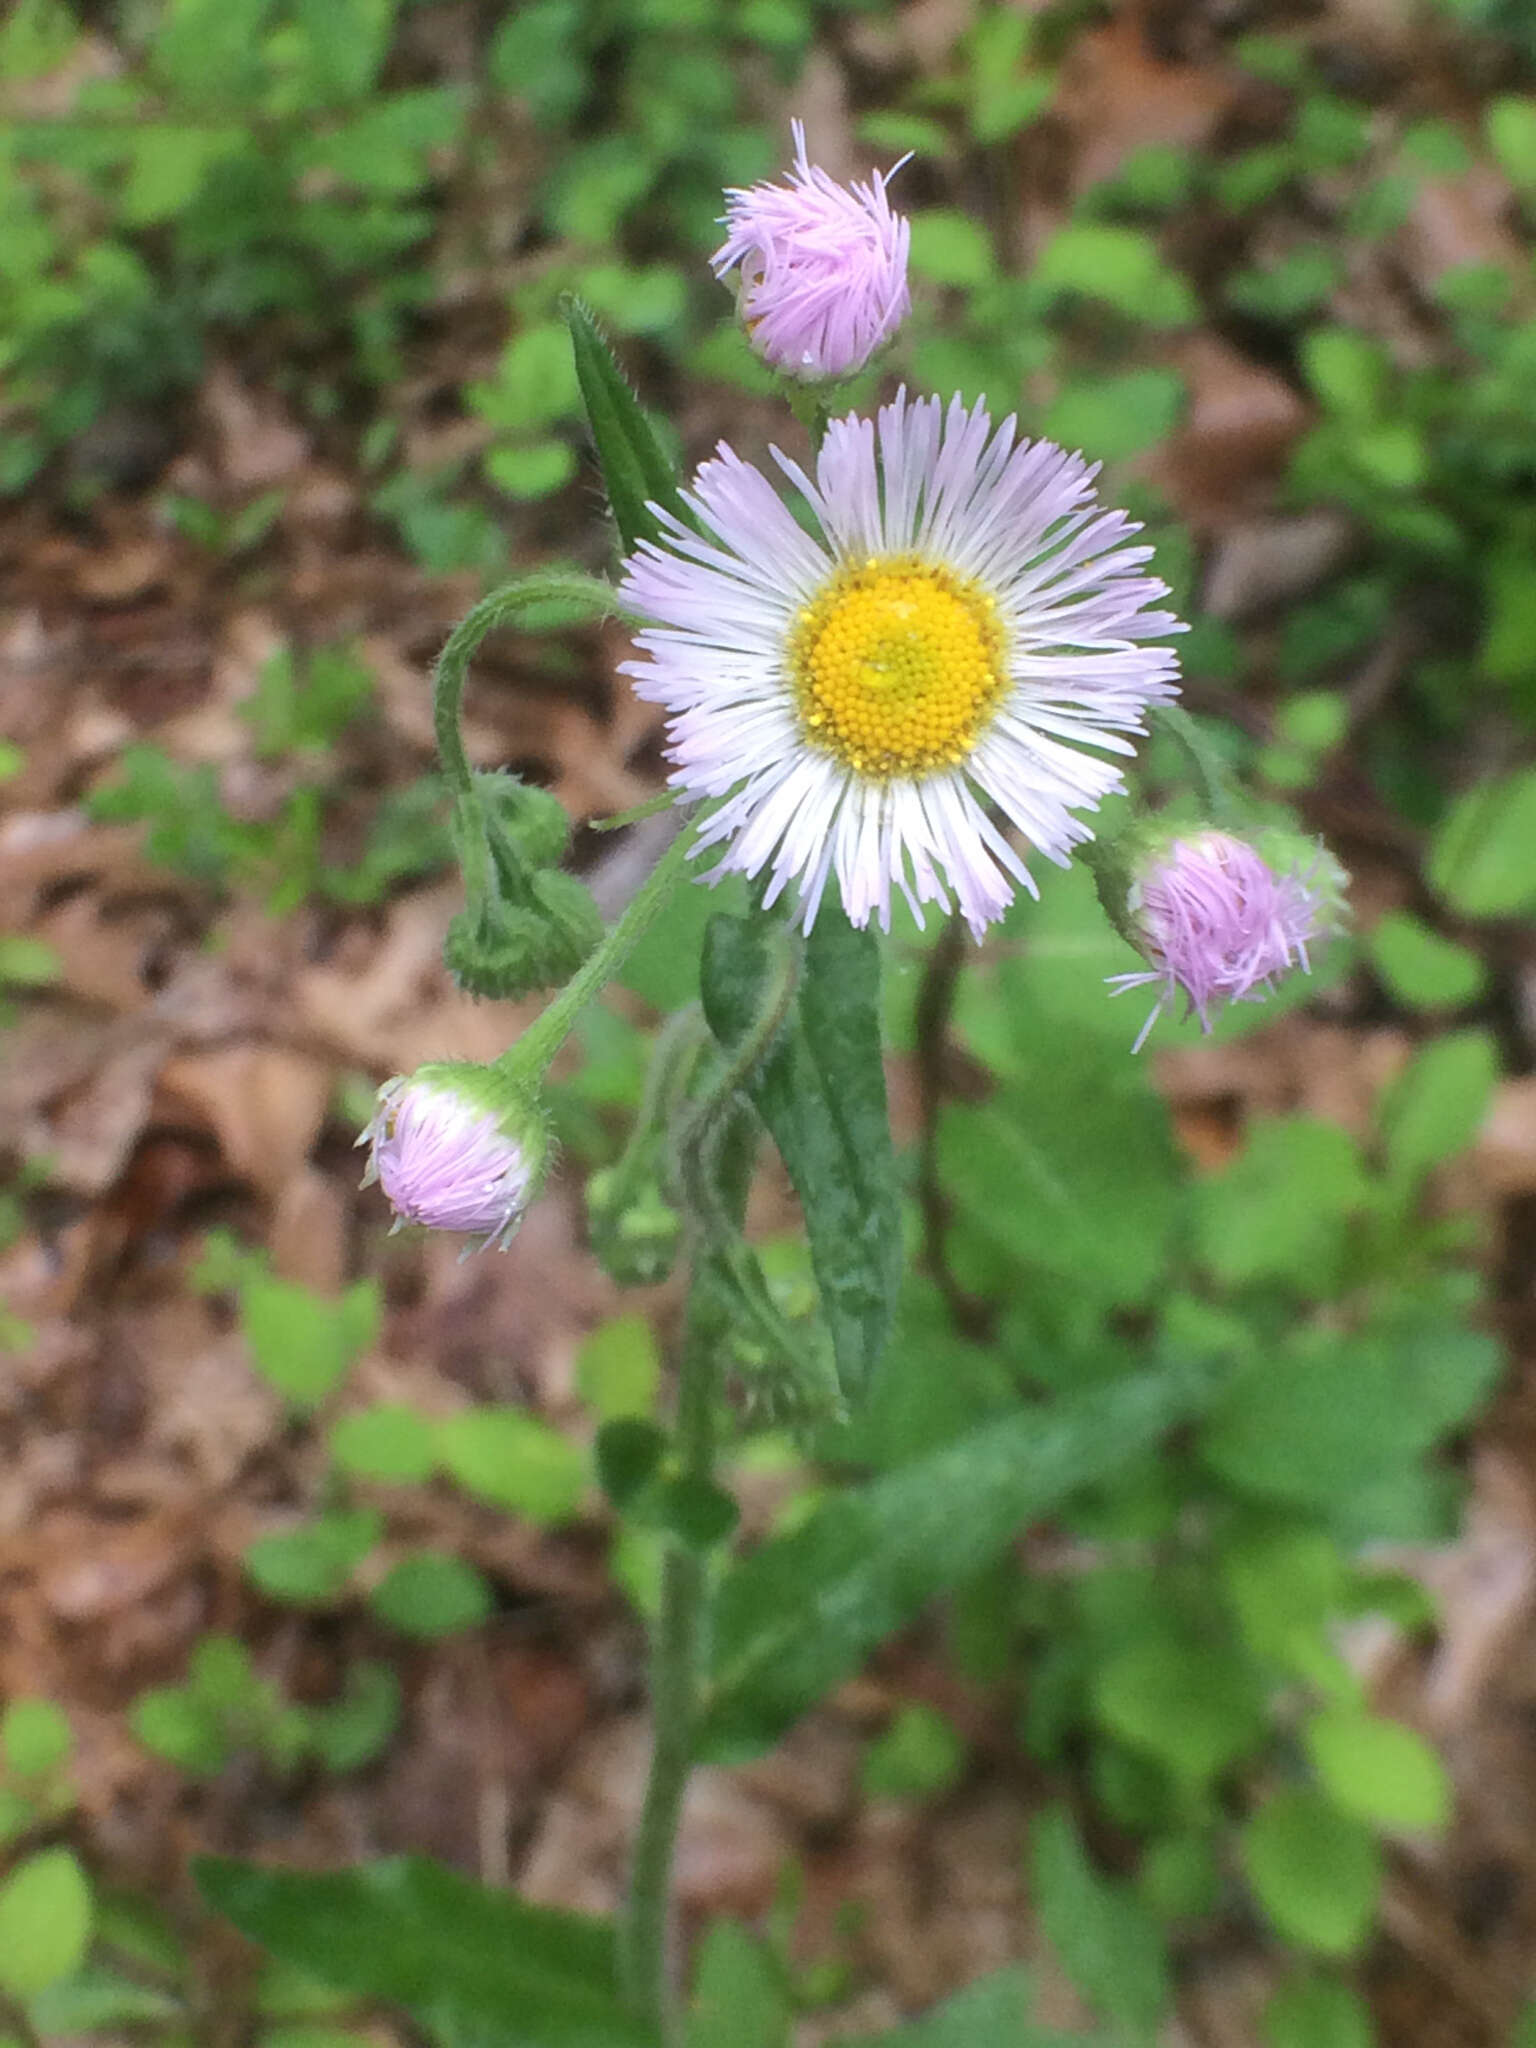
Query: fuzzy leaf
pixel 474 1963
pixel 800 1614
pixel 635 469
pixel 821 1092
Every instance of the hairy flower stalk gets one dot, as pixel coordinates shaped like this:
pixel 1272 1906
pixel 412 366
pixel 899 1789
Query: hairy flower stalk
pixel 1216 921
pixel 965 633
pixel 822 268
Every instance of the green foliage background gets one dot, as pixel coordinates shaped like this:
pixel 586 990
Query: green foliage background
pixel 1220 1390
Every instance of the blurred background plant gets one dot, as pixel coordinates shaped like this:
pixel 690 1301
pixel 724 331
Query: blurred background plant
pixel 1226 1728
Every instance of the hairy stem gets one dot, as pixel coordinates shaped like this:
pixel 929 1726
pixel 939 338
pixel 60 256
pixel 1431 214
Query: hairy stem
pixel 716 1148
pixel 1211 771
pixel 675 1660
pixel 547 1033
pixel 501 608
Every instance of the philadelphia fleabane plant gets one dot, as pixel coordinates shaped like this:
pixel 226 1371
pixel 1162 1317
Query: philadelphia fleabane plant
pixel 910 665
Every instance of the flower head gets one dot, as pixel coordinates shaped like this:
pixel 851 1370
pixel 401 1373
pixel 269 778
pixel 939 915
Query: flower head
pixel 823 268
pixel 965 625
pixel 1214 919
pixel 449 1153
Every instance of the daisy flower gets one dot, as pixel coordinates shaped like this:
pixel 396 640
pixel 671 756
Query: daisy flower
pixel 446 1154
pixel 1214 919
pixel 822 268
pixel 962 633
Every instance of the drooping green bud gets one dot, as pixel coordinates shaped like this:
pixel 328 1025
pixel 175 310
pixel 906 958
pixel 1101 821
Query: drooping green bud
pixel 534 821
pixel 504 950
pixel 526 925
pixel 635 1232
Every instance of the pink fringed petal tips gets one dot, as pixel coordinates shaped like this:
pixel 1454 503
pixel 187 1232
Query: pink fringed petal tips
pixel 823 268
pixel 1216 921
pixel 448 1161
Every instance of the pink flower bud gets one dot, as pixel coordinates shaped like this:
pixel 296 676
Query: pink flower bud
pixel 1214 919
pixel 447 1155
pixel 823 268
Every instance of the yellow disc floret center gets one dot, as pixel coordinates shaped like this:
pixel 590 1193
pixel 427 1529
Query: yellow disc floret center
pixel 897 667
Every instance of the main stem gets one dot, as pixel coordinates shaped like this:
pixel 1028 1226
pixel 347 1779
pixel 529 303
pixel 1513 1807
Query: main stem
pixel 720 1139
pixel 675 1660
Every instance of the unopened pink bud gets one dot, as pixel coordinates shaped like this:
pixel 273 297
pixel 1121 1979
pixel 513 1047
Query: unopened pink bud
pixel 446 1155
pixel 823 268
pixel 1216 921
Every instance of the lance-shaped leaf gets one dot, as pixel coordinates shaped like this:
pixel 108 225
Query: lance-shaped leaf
pixel 473 1965
pixel 800 1614
pixel 820 1089
pixel 635 468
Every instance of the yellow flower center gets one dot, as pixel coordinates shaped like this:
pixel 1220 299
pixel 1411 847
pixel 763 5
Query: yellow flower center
pixel 897 667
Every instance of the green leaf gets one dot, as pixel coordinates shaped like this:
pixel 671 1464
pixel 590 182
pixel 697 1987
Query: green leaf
pixel 821 1092
pixel 918 1755
pixel 697 1512
pixel 1122 267
pixel 535 55
pixel 530 470
pixel 799 1615
pixel 35 1738
pixel 618 1368
pixel 95 2001
pixel 1420 967
pixel 1196 1707
pixel 628 1452
pixel 1480 860
pixel 1331 1416
pixel 991 2013
pixel 1286 1584
pixel 635 468
pixel 1316 2012
pixel 354 1729
pixel 514 1460
pixel 182 1729
pixel 388 1442
pixel 1508 651
pixel 951 248
pixel 1114 418
pixel 1293 285
pixel 1108 1942
pixel 168 163
pixel 45 1922
pixel 1315 721
pixel 301 1344
pixel 1378 1770
pixel 663 969
pixel 456 1954
pixel 1251 1225
pixel 430 1595
pixel 1050 1170
pixel 27 962
pixel 1315 1871
pixel 222 1675
pixel 1180 1878
pixel 1435 1108
pixel 1346 370
pixel 739 1995
pixel 535 381
pixel 1511 129
pixel 312 1564
pixel 386 147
